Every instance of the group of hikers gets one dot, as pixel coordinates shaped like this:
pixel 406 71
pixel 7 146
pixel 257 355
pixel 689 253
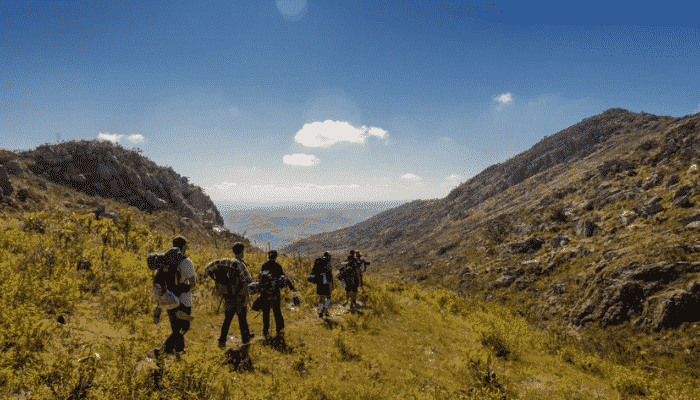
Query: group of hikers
pixel 175 278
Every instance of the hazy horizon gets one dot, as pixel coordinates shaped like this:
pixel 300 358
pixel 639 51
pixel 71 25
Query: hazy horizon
pixel 281 224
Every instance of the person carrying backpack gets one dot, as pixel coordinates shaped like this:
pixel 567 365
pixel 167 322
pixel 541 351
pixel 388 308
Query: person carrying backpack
pixel 175 273
pixel 271 280
pixel 232 279
pixel 322 276
pixel 348 273
pixel 361 269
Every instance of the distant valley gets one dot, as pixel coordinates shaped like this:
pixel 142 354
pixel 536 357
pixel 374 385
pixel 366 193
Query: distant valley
pixel 281 224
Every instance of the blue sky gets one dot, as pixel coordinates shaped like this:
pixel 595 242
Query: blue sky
pixel 293 100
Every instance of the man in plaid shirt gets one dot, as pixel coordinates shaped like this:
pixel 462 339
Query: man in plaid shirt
pixel 235 297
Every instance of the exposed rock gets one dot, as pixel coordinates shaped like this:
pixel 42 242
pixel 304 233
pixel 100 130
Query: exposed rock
pixel 5 183
pixel 42 185
pixel 530 245
pixel 80 201
pixel 651 182
pixel 693 226
pixel 586 228
pixel 672 180
pixel 669 310
pixel 650 209
pixel 80 178
pixel 22 194
pixel 610 303
pixel 612 167
pixel 444 249
pixel 683 202
pixel 683 191
pixel 628 217
pixel 559 240
pixel 15 167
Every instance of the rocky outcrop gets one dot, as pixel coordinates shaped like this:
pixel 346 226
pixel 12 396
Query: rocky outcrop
pixel 670 309
pixel 111 171
pixel 530 245
pixel 614 297
pixel 586 228
pixel 5 184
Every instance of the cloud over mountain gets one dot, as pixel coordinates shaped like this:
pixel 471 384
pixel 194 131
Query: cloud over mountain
pixel 328 133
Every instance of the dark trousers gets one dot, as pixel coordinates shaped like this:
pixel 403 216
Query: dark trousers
pixel 274 303
pixel 175 343
pixel 235 306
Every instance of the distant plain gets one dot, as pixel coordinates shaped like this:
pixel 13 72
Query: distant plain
pixel 281 224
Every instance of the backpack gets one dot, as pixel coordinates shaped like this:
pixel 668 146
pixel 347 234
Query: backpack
pixel 319 274
pixel 226 277
pixel 346 273
pixel 166 271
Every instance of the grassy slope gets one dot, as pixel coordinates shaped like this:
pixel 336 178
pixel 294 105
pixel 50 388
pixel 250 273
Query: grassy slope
pixel 410 343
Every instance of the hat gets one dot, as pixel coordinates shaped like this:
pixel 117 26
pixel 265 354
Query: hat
pixel 326 255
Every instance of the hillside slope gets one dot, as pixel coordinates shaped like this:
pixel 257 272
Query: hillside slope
pixel 104 169
pixel 597 234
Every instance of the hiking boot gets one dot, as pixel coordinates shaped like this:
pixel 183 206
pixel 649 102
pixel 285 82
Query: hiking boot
pixel 156 315
pixel 156 353
pixel 222 345
pixel 250 338
pixel 280 334
pixel 320 315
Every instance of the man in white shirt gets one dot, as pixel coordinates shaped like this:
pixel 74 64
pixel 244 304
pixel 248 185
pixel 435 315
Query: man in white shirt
pixel 181 316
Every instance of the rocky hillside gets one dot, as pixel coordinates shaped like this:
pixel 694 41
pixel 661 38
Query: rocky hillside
pixel 594 225
pixel 110 171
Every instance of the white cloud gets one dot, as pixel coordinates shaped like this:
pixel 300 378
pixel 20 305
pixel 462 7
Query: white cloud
pixel 135 138
pixel 504 98
pixel 411 177
pixel 328 133
pixel 225 185
pixel 374 131
pixel 109 136
pixel 303 160
pixel 454 177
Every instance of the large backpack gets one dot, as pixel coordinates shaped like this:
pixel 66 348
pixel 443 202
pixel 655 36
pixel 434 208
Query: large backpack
pixel 227 277
pixel 165 267
pixel 347 274
pixel 320 272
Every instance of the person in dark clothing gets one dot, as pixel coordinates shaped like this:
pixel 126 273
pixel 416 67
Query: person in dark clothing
pixel 235 303
pixel 323 277
pixel 270 288
pixel 180 316
pixel 361 269
pixel 350 277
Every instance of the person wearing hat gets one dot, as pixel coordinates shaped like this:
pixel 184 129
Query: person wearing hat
pixel 273 273
pixel 322 276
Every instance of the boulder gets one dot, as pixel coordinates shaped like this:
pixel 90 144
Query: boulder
pixel 80 178
pixel 682 191
pixel 672 181
pixel 653 181
pixel 586 228
pixel 683 202
pixel 650 209
pixel 530 245
pixel 559 240
pixel 5 184
pixel 80 201
pixel 628 217
pixel 693 226
pixel 669 310
pixel 114 217
pixel 23 194
pixel 690 218
pixel 15 167
pixel 610 303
